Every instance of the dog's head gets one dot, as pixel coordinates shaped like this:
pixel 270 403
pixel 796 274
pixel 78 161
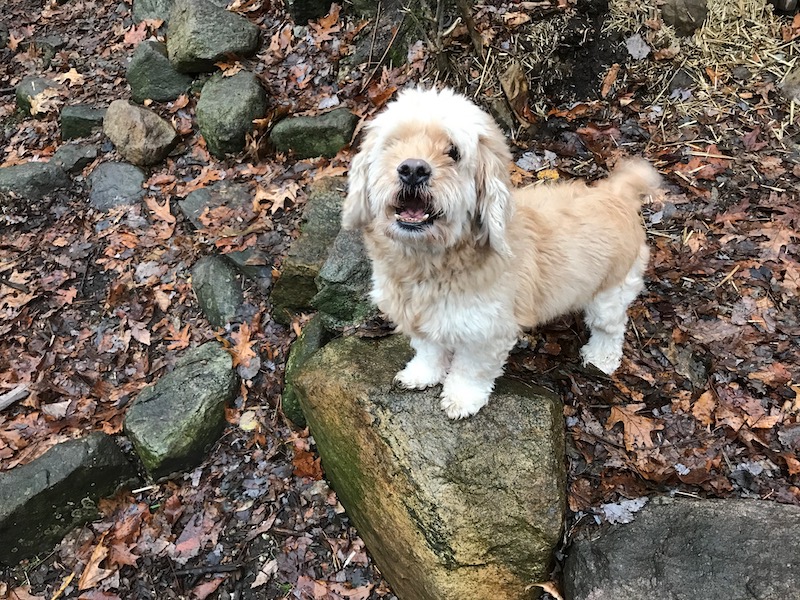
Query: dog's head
pixel 432 170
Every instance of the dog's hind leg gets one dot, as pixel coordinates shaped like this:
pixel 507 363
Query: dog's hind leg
pixel 607 314
pixel 472 373
pixel 427 368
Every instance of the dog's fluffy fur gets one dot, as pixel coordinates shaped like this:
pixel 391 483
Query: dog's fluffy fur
pixel 461 262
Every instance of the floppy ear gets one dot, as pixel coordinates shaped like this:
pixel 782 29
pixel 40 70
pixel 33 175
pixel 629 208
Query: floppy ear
pixel 492 186
pixel 356 212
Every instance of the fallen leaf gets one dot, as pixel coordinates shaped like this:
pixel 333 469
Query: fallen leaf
pixel 636 428
pixel 305 465
pixel 703 407
pixel 93 573
pixel 203 590
pixel 242 350
pixel 72 76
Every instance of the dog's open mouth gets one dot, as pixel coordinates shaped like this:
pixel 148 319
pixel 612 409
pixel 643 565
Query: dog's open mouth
pixel 413 211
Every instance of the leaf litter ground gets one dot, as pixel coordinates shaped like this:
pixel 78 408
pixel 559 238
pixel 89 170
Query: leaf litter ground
pixel 95 306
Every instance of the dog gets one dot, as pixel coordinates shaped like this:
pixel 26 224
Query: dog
pixel 462 263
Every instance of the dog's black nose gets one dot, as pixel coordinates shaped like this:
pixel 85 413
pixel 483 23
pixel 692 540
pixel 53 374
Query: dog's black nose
pixel 414 171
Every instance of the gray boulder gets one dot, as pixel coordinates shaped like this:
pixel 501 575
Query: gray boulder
pixel 252 262
pixel 115 184
pixel 684 15
pixel 140 135
pixel 676 549
pixel 80 120
pixel 201 34
pixel 323 135
pixel 174 422
pixel 152 9
pixel 151 75
pixel 43 500
pixel 32 180
pixel 344 283
pixel 72 158
pixel 30 87
pixel 226 110
pixel 293 291
pixel 218 289
pixel 449 510
pixel 313 337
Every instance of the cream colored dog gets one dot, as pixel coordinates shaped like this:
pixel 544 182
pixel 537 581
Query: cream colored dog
pixel 461 262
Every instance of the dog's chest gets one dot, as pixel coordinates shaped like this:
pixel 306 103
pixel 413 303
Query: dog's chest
pixel 447 310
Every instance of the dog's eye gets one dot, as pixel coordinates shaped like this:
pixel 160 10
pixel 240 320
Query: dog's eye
pixel 453 153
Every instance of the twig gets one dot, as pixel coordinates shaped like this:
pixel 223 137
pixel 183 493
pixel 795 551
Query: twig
pixel 380 62
pixel 17 286
pixel 477 40
pixel 18 393
pixel 374 32
pixel 210 569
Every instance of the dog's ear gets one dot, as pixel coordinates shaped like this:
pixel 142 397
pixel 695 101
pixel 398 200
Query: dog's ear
pixel 492 185
pixel 356 211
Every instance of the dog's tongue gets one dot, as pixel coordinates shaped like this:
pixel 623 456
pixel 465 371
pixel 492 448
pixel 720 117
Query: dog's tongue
pixel 413 215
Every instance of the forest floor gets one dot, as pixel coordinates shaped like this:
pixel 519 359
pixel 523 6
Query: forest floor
pixel 94 306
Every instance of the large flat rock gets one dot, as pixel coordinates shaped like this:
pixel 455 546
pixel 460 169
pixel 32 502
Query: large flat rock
pixel 42 501
pixel 450 510
pixel 691 549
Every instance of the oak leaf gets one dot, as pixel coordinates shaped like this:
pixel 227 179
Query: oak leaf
pixel 636 429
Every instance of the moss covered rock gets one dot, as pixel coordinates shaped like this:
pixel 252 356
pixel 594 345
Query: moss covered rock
pixel 174 422
pixel 450 510
pixel 295 288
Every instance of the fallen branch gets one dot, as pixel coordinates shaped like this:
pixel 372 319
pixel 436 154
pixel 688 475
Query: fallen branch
pixel 18 393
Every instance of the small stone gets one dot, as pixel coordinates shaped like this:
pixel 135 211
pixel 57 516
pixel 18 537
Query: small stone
pixel 80 120
pixel 43 500
pixel 115 184
pixel 201 34
pixel 151 75
pixel 140 135
pixel 741 73
pixel 173 423
pixel 4 37
pixel 72 158
pixel 684 15
pixel 218 290
pixel 226 110
pixel 32 180
pixel 308 137
pixel 30 87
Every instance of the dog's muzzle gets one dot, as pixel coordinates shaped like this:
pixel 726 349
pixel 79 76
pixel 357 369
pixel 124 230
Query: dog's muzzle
pixel 412 207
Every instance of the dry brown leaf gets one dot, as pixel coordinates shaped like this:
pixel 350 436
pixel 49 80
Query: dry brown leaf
pixel 93 573
pixel 703 407
pixel 636 428
pixel 242 350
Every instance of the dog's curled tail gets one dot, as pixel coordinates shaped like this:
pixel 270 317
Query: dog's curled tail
pixel 633 179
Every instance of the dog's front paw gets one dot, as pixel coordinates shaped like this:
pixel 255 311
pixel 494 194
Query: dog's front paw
pixel 462 398
pixel 418 375
pixel 605 358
